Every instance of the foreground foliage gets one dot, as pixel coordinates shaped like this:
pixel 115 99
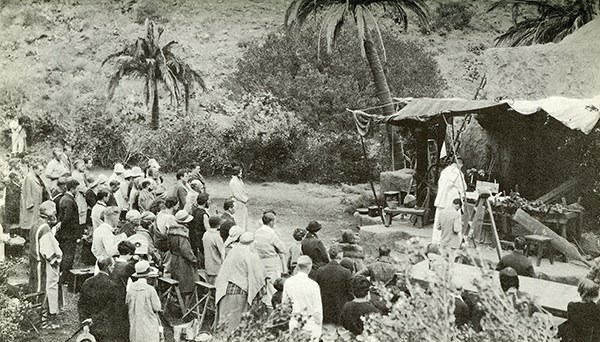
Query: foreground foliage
pixel 427 314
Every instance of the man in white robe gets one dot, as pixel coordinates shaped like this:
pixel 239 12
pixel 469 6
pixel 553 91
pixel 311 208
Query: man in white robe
pixel 451 185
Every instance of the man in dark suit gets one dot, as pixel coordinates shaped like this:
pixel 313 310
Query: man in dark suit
pixel 70 229
pixel 228 219
pixel 518 260
pixel 103 300
pixel 334 281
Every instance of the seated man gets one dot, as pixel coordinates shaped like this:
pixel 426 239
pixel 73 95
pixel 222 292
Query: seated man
pixel 353 311
pixel 381 270
pixel 518 260
pixel 522 301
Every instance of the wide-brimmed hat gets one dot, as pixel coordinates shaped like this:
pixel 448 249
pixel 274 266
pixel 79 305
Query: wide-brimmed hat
pixel 140 242
pixel 137 172
pixel 234 235
pixel 119 168
pixel 313 226
pixel 183 216
pixel 143 269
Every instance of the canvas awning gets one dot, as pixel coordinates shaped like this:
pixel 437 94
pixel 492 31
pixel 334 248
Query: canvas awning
pixel 577 114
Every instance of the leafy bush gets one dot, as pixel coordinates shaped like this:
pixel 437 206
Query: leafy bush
pixel 319 87
pixel 14 313
pixel 428 313
pixel 453 15
pixel 180 141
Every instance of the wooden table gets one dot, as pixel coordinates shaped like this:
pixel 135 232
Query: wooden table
pixel 552 296
pixel 559 221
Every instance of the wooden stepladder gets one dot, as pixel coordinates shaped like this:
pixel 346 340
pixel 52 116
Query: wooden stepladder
pixel 479 220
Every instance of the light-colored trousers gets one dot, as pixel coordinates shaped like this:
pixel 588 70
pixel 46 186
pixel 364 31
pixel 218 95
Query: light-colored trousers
pixel 52 291
pixel 241 215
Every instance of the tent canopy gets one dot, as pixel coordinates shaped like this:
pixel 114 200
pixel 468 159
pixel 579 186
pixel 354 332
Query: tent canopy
pixel 577 114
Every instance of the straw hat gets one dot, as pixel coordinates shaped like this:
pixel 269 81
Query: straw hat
pixel 183 216
pixel 148 216
pixel 133 215
pixel 246 238
pixel 119 168
pixel 137 172
pixel 143 270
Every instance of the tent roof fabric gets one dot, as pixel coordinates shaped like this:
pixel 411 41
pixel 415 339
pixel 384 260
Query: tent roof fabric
pixel 577 114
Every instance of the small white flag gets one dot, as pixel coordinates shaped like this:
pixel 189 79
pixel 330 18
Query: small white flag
pixel 443 152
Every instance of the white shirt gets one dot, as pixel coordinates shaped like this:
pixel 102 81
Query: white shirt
pixel 104 242
pixel 305 295
pixel 237 189
pixel 97 217
pixel 164 221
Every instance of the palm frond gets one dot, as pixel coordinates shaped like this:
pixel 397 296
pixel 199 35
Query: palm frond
pixel 333 22
pixel 123 52
pixel 361 26
pixel 554 23
pixel 543 6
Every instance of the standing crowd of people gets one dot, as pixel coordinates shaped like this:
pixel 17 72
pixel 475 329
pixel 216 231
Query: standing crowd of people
pixel 131 226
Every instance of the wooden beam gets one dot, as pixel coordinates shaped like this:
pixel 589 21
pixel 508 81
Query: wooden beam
pixel 536 227
pixel 560 190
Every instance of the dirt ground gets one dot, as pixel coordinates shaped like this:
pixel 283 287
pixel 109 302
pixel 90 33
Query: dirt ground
pixel 295 205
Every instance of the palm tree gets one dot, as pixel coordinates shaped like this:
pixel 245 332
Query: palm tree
pixel 555 20
pixel 359 12
pixel 146 59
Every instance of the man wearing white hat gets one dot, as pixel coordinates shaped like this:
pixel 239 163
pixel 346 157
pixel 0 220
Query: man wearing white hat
pixel 117 173
pixel 136 175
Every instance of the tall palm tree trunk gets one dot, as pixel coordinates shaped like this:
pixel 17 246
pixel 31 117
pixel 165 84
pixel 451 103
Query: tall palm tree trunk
pixel 155 113
pixel 383 90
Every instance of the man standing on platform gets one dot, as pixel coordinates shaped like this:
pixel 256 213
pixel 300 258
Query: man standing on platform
pixel 451 185
pixel 239 193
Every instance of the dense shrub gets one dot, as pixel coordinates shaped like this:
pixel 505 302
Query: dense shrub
pixel 319 87
pixel 180 141
pixel 428 313
pixel 453 15
pixel 14 313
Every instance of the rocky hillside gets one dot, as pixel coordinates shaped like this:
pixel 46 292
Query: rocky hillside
pixel 51 52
